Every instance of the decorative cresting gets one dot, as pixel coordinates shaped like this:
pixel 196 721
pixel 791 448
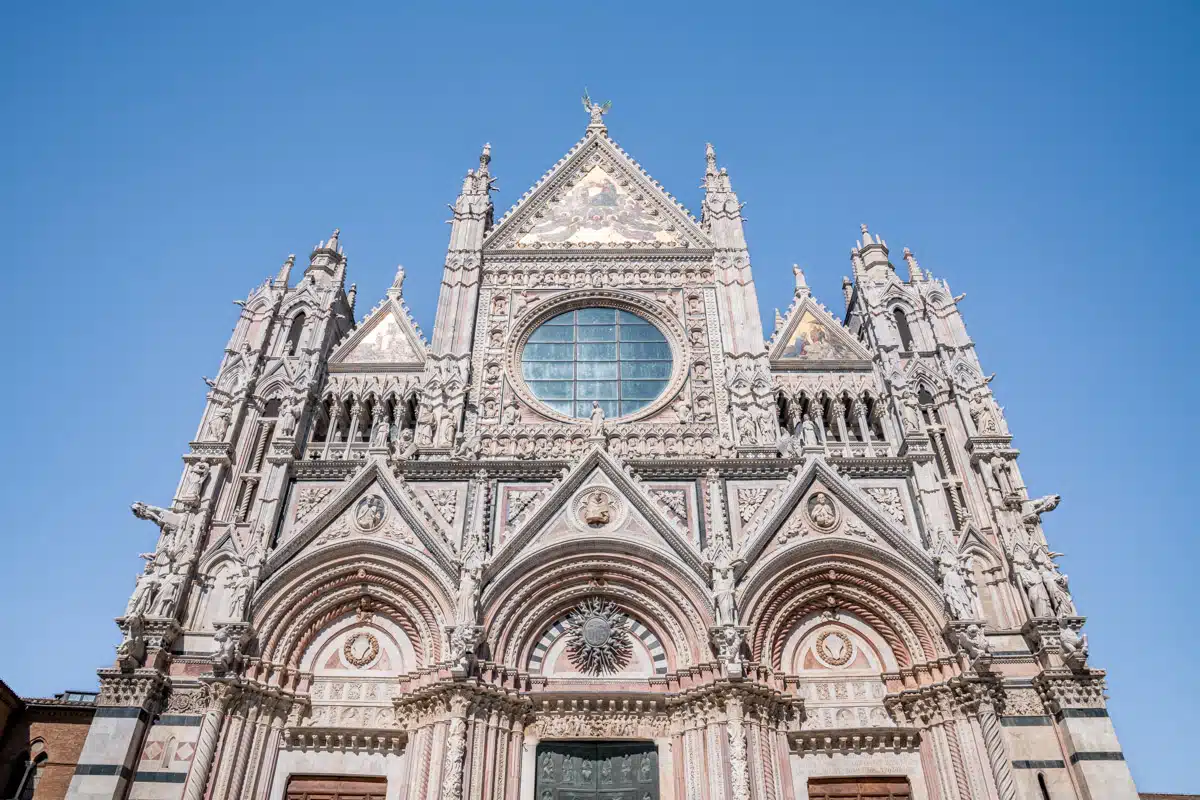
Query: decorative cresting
pixel 905 615
pixel 663 318
pixel 304 598
pixel 598 637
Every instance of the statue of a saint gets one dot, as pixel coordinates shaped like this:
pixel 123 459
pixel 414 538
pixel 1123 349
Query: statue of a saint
pixel 724 600
pixel 1031 581
pixel 596 430
pixel 597 511
pixel 1054 582
pixel 218 425
pixel 193 483
pixel 170 586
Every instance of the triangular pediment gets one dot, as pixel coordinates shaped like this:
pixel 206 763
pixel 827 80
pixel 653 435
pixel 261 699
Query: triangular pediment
pixel 819 505
pixel 811 337
pixel 386 339
pixel 623 510
pixel 597 197
pixel 376 507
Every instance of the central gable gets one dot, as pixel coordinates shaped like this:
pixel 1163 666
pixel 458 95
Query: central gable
pixel 597 197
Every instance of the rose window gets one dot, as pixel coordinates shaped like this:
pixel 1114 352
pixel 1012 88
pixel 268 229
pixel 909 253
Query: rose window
pixel 613 357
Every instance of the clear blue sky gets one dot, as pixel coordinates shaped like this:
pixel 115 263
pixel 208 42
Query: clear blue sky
pixel 1040 156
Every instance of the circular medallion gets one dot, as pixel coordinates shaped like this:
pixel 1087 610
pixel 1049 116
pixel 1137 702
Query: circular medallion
pixel 822 513
pixel 834 648
pixel 597 508
pixel 597 631
pixel 369 513
pixel 360 649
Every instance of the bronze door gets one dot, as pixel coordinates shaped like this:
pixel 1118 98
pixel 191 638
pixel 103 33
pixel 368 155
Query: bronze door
pixel 597 771
pixel 322 787
pixel 858 789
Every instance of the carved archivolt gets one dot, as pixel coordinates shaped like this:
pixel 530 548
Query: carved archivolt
pixel 294 611
pixel 898 612
pixel 520 612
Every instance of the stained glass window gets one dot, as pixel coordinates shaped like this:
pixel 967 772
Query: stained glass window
pixel 602 354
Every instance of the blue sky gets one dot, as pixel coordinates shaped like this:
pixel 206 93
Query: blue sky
pixel 1041 157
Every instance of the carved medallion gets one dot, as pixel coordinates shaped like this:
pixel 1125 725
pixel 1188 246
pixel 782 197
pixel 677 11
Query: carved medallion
pixel 598 508
pixel 822 513
pixel 360 649
pixel 598 637
pixel 834 648
pixel 370 513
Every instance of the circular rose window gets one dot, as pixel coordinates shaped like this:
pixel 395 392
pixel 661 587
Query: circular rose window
pixel 606 355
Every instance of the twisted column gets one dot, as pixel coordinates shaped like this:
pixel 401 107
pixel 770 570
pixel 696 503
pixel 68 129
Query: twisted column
pixel 456 750
pixel 249 743
pixel 206 744
pixel 994 742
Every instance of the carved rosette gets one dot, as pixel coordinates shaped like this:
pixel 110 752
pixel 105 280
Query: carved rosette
pixel 598 639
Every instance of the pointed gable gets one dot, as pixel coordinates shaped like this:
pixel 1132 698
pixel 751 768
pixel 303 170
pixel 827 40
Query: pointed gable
pixel 386 339
pixel 811 337
pixel 597 197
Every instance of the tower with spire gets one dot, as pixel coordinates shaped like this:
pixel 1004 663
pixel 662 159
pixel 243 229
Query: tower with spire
pixel 599 536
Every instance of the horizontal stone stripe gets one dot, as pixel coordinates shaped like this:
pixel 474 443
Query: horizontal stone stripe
pixel 1084 713
pixel 160 777
pixel 1056 764
pixel 187 720
pixel 125 712
pixel 116 770
pixel 1024 721
pixel 1097 755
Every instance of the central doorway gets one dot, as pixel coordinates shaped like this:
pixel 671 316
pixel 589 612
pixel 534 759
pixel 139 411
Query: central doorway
pixel 597 771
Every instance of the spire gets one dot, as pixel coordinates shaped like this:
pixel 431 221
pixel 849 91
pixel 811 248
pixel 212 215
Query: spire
pixel 873 253
pixel 352 295
pixel 327 256
pixel 914 269
pixel 801 284
pixel 866 236
pixel 778 320
pixel 485 158
pixel 285 271
pixel 710 157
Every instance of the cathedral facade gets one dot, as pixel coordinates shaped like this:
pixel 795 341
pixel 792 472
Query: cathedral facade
pixel 599 537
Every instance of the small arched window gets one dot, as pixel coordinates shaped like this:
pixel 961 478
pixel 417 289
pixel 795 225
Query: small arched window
pixel 906 337
pixel 294 334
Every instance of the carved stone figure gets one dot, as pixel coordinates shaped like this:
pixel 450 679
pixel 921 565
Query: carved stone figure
pixel 1030 579
pixel 218 426
pixel 745 427
pixel 240 584
pixel 1074 646
pixel 447 427
pixel 132 649
pixel 467 448
pixel 952 573
pixel 1032 510
pixel 425 426
pixel 369 512
pixel 225 656
pixel 404 448
pixel 143 594
pixel 724 581
pixel 170 586
pixel 193 484
pixel 380 436
pixel 983 414
pixel 1054 582
pixel 808 431
pixel 597 511
pixel 909 411
pixel 974 643
pixel 288 417
pixel 596 428
pixel 512 412
pixel 821 511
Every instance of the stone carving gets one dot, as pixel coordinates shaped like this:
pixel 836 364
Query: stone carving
pixel 405 446
pixel 193 484
pixel 446 503
pixel 889 498
pixel 466 448
pixel 983 413
pixel 674 501
pixel 170 585
pixel 360 649
pixel 379 436
pixel 289 415
pixel 596 424
pixel 240 584
pixel 724 564
pixel 1030 579
pixel 226 653
pixel 821 511
pixel 749 501
pixel 309 499
pixel 1032 510
pixel 469 581
pixel 218 426
pixel 598 638
pixel 369 513
pixel 952 571
pixel 603 725
pixel 834 648
pixel 1074 646
pixel 187 701
pixel 597 508
pixel 512 412
pixel 973 644
pixel 728 641
pixel 132 649
pixel 520 501
pixel 808 431
pixel 1054 582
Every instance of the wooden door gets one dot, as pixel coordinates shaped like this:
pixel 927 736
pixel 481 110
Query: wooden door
pixel 332 787
pixel 859 789
pixel 597 771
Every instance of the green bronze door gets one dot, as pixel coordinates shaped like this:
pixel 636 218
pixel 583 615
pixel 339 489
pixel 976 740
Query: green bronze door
pixel 597 771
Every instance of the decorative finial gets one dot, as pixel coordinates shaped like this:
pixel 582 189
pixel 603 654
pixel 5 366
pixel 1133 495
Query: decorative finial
pixel 914 269
pixel 285 271
pixel 398 281
pixel 866 237
pixel 485 157
pixel 801 284
pixel 710 156
pixel 352 295
pixel 596 110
